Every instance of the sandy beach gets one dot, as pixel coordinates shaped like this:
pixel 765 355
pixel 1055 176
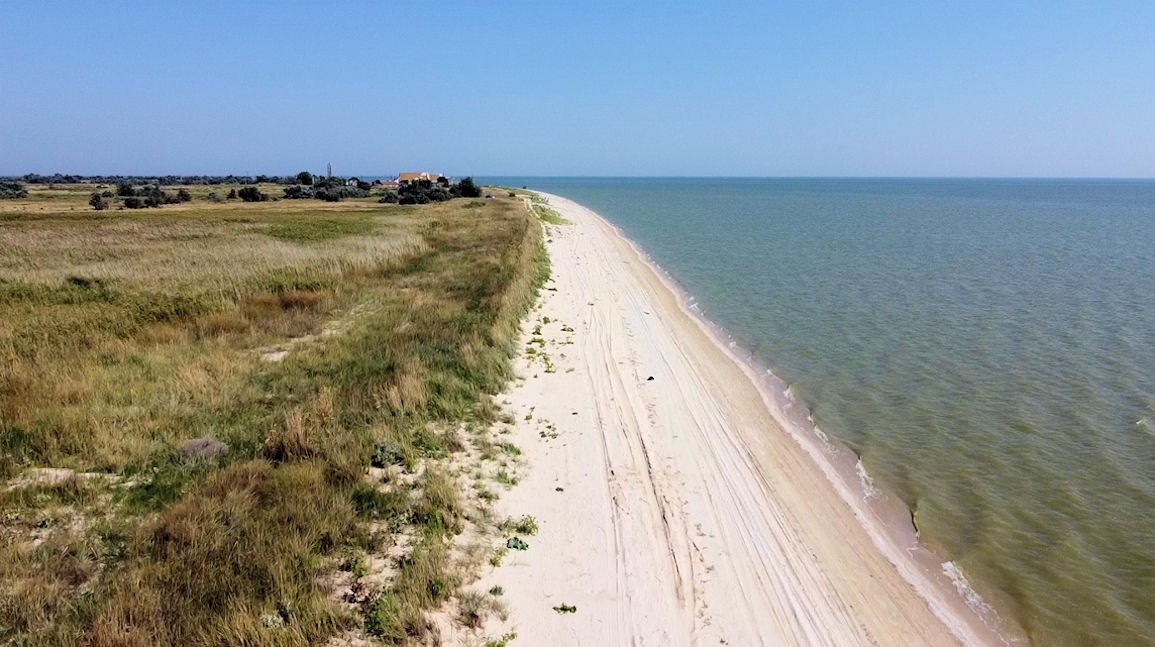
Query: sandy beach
pixel 673 507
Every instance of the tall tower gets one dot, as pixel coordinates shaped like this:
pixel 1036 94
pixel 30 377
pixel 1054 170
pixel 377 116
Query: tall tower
pixel 329 169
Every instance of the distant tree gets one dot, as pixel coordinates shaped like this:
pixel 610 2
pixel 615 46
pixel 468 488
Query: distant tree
pixel 390 197
pixel 213 196
pixel 150 196
pixel 298 192
pixel 125 190
pixel 98 202
pixel 154 196
pixel 363 185
pixel 183 195
pixel 133 202
pixel 305 177
pixel 443 181
pixel 251 194
pixel 106 194
pixel 467 189
pixel 232 195
pixel 12 191
pixel 424 191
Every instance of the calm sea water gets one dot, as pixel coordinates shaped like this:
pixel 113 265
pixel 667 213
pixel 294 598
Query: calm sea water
pixel 986 346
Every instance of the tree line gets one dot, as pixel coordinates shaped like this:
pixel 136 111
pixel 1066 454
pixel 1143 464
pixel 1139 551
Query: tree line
pixel 139 192
pixel 149 195
pixel 162 180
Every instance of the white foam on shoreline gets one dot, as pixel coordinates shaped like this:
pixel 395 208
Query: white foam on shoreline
pixel 867 482
pixel 972 598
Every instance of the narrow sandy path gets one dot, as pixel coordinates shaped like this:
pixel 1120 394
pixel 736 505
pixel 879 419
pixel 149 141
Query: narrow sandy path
pixel 674 510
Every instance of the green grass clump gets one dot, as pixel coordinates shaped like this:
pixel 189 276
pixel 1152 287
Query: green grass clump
pixel 505 478
pixel 526 525
pixel 355 563
pixel 498 556
pixel 422 582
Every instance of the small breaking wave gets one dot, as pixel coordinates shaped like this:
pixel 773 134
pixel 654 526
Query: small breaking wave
pixel 968 594
pixel 869 491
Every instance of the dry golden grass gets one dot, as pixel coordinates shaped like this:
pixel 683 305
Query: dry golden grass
pixel 125 333
pixel 211 252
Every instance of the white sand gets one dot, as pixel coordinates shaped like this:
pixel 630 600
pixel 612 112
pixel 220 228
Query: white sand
pixel 688 515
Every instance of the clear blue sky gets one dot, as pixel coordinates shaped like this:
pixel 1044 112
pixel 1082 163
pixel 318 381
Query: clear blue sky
pixel 583 88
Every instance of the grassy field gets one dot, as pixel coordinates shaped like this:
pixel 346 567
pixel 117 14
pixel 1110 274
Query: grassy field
pixel 344 352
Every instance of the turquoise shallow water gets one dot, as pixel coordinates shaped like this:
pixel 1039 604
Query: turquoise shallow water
pixel 986 346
